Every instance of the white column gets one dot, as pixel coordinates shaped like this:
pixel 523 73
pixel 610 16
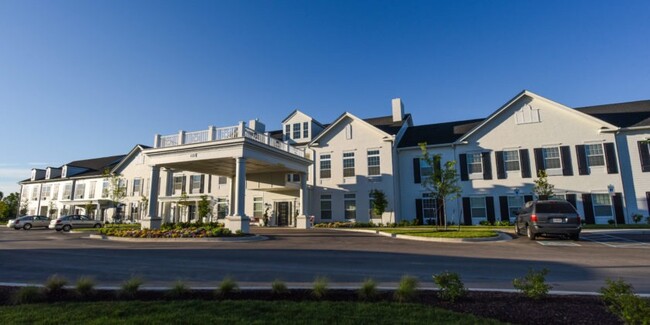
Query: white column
pixel 153 221
pixel 239 221
pixel 303 221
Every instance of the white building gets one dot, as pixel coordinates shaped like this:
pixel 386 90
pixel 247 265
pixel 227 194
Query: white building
pixel 597 158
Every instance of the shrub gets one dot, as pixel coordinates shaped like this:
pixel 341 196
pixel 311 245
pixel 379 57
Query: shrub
pixel 451 286
pixel 178 290
pixel 227 286
pixel 637 218
pixel 610 221
pixel 533 285
pixel 503 223
pixel 319 289
pixel 28 295
pixel 368 290
pixel 85 286
pixel 55 283
pixel 484 223
pixel 621 301
pixel 130 287
pixel 278 287
pixel 647 220
pixel 406 289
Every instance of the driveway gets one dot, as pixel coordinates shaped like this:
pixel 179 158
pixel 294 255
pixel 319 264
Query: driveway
pixel 297 256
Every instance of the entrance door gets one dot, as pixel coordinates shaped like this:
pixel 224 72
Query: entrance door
pixel 283 213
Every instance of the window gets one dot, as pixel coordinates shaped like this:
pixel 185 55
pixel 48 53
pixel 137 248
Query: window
pixel 326 166
pixel 178 184
pixel 425 169
pixel 552 158
pixel 514 204
pixel 223 180
pixel 325 207
pixel 287 132
pixel 195 184
pixel 55 192
pixel 137 185
pixel 305 130
pixel 602 205
pixel 373 162
pixel 595 155
pixel 80 191
pixel 35 193
pixel 474 164
pixel 296 130
pixel 45 192
pixel 91 191
pixel 478 207
pixel 258 207
pixel 105 188
pixel 350 203
pixel 511 160
pixel 348 164
pixel 293 178
pixel 429 209
pixel 222 207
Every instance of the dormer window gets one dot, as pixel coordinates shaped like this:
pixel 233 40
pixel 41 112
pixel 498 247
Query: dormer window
pixel 305 130
pixel 296 131
pixel 287 132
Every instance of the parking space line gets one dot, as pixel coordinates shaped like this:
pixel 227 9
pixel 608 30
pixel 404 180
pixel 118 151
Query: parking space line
pixel 557 243
pixel 614 241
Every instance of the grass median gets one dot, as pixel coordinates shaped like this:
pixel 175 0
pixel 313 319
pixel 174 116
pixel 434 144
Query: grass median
pixel 233 312
pixel 451 232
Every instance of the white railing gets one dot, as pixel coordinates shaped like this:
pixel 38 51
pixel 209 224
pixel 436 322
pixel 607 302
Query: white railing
pixel 196 136
pixel 230 132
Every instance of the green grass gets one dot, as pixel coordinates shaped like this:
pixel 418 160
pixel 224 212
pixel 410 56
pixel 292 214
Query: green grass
pixel 452 232
pixel 232 312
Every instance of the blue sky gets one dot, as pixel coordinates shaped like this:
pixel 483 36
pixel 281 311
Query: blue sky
pixel 84 79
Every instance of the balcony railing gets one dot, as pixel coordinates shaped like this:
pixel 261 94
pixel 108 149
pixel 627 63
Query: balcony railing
pixel 218 134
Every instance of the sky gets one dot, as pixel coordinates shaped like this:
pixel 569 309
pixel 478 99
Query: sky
pixel 86 79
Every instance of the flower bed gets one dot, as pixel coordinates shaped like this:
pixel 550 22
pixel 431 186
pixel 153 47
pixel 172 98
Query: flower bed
pixel 188 232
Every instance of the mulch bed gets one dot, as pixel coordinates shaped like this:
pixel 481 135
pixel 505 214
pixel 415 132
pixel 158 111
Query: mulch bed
pixel 508 307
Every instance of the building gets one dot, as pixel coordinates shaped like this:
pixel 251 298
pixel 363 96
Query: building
pixel 597 157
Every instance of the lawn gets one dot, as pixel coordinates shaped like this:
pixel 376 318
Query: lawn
pixel 232 312
pixel 451 232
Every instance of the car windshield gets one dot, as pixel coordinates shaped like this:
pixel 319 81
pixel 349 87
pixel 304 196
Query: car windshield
pixel 555 207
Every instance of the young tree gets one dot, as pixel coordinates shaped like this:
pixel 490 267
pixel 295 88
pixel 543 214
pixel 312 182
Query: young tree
pixel 144 203
pixel 204 208
pixel 183 203
pixel 115 192
pixel 90 209
pixel 51 209
pixel 542 188
pixel 10 206
pixel 441 183
pixel 379 202
pixel 23 207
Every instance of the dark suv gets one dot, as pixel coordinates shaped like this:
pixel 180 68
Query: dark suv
pixel 548 217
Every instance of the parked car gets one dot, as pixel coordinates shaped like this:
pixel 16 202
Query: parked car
pixel 66 223
pixel 548 217
pixel 10 223
pixel 27 222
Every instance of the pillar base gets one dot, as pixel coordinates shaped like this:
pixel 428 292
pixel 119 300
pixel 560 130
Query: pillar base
pixel 238 223
pixel 151 222
pixel 303 222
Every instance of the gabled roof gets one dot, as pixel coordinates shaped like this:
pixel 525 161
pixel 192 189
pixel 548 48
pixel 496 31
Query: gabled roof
pixel 137 148
pixel 94 166
pixel 439 133
pixel 629 114
pixel 295 111
pixel 534 96
pixel 384 125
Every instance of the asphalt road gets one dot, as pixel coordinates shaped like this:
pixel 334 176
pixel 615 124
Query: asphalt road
pixel 297 256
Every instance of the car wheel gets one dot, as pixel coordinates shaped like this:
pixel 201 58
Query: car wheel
pixel 574 237
pixel 529 232
pixel 517 231
pixel 66 228
pixel 57 229
pixel 97 225
pixel 27 226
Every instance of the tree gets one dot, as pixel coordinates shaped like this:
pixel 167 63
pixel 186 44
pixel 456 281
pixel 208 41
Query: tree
pixel 2 195
pixel 441 183
pixel 115 191
pixel 51 209
pixel 9 206
pixel 90 208
pixel 183 202
pixel 542 188
pixel 379 202
pixel 23 207
pixel 144 202
pixel 204 208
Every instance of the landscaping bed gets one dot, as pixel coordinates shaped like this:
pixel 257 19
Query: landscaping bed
pixel 506 307
pixel 179 230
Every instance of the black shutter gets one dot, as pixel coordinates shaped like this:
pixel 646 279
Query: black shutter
pixel 644 154
pixel 489 205
pixel 462 160
pixel 610 158
pixel 416 171
pixel 209 183
pixel 525 163
pixel 467 211
pixel 528 198
pixel 583 169
pixel 647 198
pixel 618 208
pixel 418 211
pixel 503 206
pixel 202 183
pixel 573 199
pixel 565 154
pixel 501 171
pixel 588 209
pixel 487 165
pixel 539 160
pixel 437 169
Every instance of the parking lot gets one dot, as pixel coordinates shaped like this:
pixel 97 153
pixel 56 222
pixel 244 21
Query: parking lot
pixel 297 256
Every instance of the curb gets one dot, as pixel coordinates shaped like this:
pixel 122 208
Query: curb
pixel 501 237
pixel 181 240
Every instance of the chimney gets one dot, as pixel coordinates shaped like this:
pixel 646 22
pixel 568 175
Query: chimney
pixel 398 110
pixel 257 126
